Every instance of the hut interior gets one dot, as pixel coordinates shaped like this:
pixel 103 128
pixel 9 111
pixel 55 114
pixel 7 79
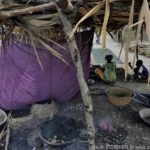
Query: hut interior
pixel 44 21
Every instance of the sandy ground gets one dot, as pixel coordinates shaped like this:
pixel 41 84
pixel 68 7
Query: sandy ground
pixel 132 133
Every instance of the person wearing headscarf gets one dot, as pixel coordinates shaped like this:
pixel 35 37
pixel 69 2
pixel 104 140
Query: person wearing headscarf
pixel 109 69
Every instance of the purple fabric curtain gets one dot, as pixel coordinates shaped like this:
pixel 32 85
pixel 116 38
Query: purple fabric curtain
pixel 22 81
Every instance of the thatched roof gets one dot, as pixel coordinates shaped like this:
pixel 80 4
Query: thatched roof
pixel 40 19
pixel 47 16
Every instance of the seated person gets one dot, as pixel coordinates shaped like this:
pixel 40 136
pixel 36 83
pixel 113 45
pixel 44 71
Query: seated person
pixel 140 72
pixel 109 71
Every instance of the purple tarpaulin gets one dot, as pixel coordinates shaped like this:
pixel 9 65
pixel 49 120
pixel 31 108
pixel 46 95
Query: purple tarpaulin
pixel 23 82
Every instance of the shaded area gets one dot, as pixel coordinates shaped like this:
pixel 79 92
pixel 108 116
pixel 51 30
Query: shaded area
pixel 117 136
pixel 127 127
pixel 59 130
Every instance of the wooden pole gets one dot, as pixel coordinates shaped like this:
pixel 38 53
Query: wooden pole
pixel 128 39
pixel 26 11
pixel 87 100
pixel 105 22
pixel 65 4
pixel 141 16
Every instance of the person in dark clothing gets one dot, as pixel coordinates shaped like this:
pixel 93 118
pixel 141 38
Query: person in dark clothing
pixel 140 72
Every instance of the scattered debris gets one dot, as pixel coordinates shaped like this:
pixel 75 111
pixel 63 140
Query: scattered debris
pixel 91 81
pixel 44 110
pixel 97 91
pixel 116 136
pixel 5 133
pixel 119 129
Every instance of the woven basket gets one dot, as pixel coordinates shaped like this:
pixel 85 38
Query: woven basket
pixel 120 96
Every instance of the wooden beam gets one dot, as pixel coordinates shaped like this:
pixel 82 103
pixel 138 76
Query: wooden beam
pixel 65 4
pixel 26 11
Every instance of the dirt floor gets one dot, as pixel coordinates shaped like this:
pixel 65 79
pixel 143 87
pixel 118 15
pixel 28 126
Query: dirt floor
pixel 124 129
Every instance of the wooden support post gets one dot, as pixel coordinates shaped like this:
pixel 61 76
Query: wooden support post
pixel 128 40
pixel 87 100
pixel 141 16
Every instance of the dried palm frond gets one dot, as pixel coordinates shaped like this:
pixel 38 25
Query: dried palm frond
pixel 55 53
pixel 90 13
pixel 35 50
pixel 24 28
pixel 45 33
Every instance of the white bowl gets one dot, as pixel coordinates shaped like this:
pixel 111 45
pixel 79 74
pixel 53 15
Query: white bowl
pixel 145 112
pixel 145 115
pixel 3 117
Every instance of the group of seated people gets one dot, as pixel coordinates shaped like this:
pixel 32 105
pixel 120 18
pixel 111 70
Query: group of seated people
pixel 108 72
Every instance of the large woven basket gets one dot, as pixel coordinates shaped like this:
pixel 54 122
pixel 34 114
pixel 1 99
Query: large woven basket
pixel 120 96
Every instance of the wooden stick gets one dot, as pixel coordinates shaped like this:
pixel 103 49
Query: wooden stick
pixel 65 4
pixel 7 138
pixel 2 133
pixel 87 100
pixel 120 52
pixel 8 132
pixel 27 11
pixel 148 81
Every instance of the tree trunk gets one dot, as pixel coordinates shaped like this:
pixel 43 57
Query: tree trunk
pixel 87 100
